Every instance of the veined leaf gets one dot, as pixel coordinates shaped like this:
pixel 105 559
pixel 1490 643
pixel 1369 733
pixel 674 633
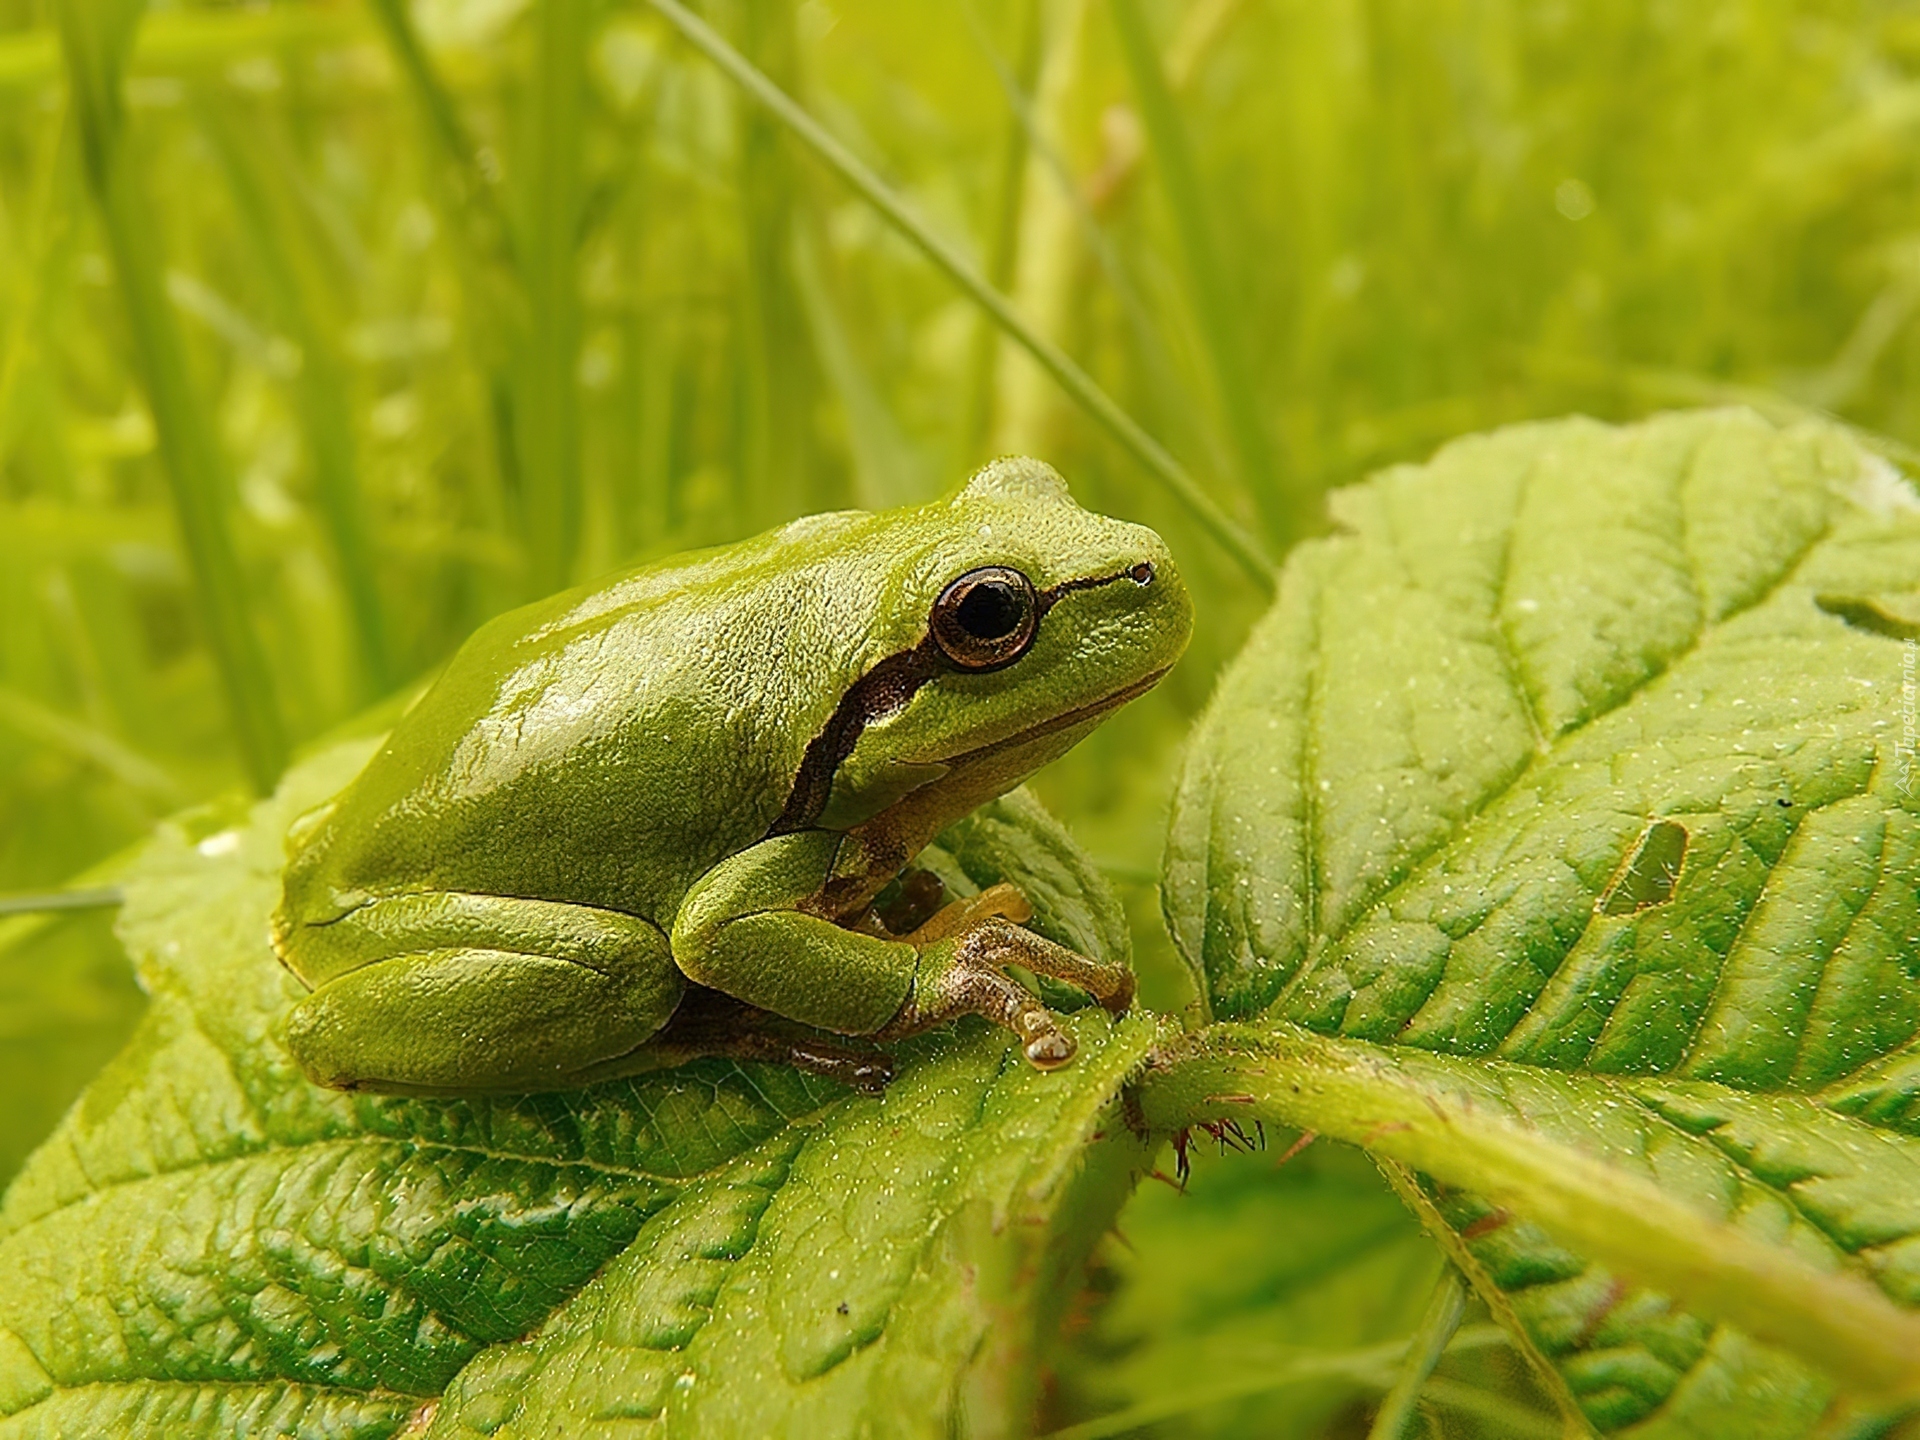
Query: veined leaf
pixel 1563 799
pixel 210 1246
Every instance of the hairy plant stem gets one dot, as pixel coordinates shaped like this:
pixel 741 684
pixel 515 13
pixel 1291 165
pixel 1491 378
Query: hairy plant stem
pixel 1359 1094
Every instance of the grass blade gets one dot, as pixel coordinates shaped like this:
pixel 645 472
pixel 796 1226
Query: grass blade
pixel 630 486
pixel 96 38
pixel 89 745
pixel 462 159
pixel 777 366
pixel 547 413
pixel 1213 307
pixel 463 188
pixel 320 388
pixel 1075 381
pixel 1429 1343
pixel 28 302
pixel 173 41
pixel 99 897
pixel 1004 239
pixel 886 470
pixel 1171 400
pixel 1200 30
pixel 1047 253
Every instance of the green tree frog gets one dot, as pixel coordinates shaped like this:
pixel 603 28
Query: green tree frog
pixel 691 783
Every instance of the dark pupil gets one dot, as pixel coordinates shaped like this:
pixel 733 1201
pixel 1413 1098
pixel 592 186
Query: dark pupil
pixel 990 611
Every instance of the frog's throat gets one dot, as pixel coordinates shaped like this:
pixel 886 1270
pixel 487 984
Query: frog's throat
pixel 888 840
pixel 884 690
pixel 1053 724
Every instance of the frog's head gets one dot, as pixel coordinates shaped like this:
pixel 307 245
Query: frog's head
pixel 1007 623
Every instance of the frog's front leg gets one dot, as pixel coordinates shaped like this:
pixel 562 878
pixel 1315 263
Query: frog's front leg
pixel 972 980
pixel 751 929
pixel 444 993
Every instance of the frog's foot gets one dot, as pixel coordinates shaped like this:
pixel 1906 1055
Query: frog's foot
pixel 971 979
pixel 1002 901
pixel 709 1024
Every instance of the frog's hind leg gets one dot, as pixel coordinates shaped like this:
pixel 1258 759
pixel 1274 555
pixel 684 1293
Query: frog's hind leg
pixel 444 994
pixel 709 1025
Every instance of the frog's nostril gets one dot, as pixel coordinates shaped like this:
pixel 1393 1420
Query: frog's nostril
pixel 1141 574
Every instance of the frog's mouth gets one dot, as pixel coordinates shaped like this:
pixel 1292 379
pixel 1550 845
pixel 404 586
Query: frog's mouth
pixel 1053 724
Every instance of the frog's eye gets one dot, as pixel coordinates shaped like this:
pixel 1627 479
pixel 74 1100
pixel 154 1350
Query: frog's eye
pixel 987 618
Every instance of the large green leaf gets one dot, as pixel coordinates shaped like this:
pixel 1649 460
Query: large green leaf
pixel 1556 835
pixel 210 1246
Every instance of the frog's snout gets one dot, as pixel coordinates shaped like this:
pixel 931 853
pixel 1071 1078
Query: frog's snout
pixel 1159 609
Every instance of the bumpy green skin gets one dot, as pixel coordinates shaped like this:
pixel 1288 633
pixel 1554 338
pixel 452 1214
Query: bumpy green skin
pixel 608 793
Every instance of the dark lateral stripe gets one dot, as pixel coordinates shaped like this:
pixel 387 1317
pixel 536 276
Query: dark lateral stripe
pixel 882 691
pixel 885 688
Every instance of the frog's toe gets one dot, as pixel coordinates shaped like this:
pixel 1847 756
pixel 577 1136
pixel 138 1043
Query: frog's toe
pixel 972 983
pixel 870 1074
pixel 1051 1048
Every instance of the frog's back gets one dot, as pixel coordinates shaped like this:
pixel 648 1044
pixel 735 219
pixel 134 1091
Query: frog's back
pixel 607 745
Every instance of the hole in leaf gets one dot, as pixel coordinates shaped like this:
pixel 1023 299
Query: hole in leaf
pixel 1649 877
pixel 1895 616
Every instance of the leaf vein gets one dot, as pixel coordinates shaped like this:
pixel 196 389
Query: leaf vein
pixel 1416 866
pixel 1511 661
pixel 1787 1193
pixel 1833 951
pixel 407 1144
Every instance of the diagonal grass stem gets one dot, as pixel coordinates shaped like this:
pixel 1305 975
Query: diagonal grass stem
pixel 1004 226
pixel 466 163
pixel 320 387
pixel 1367 1367
pixel 1213 307
pixel 46 902
pixel 547 413
pixel 465 189
pixel 1153 456
pixel 1429 1343
pixel 96 39
pixel 80 741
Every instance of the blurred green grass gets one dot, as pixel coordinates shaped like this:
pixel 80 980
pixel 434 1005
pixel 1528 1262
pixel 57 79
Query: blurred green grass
pixel 460 344
pixel 449 302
